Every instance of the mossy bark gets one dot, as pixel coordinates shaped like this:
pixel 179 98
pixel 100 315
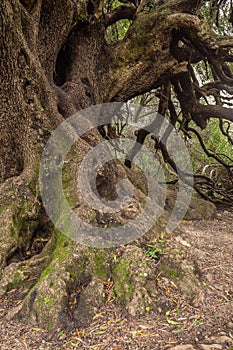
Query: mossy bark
pixel 130 278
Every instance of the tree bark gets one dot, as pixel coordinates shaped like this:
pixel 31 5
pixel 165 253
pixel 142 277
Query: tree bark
pixel 54 61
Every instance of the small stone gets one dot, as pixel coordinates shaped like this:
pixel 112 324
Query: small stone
pixel 209 277
pixel 210 347
pixel 199 299
pixel 13 312
pixel 180 240
pixel 183 347
pixel 224 340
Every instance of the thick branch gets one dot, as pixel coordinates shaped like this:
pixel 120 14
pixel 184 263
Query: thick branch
pixel 214 86
pixel 121 12
pixel 210 111
pixel 54 27
pixel 143 60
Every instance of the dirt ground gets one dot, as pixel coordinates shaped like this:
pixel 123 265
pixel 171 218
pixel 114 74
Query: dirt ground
pixel 204 322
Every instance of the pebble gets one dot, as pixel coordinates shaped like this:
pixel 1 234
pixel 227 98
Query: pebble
pixel 183 347
pixel 210 347
pixel 217 343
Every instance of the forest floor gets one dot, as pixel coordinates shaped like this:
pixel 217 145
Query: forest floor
pixel 179 323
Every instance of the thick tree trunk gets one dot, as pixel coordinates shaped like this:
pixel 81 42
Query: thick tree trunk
pixel 51 66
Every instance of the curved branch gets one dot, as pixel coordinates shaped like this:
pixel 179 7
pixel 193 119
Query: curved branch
pixel 121 12
pixel 205 112
pixel 226 132
pixel 207 152
pixel 143 60
pixel 216 85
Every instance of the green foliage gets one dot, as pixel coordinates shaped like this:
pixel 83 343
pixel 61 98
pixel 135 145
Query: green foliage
pixel 153 251
pixel 217 15
pixel 215 142
pixel 118 30
pixel 155 247
pixel 203 71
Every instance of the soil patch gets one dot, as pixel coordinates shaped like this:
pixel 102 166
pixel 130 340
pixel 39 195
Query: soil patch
pixel 180 322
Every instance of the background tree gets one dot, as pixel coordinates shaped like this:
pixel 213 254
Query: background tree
pixel 58 57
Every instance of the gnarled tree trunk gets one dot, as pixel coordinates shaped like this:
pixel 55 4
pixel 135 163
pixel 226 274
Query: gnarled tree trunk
pixel 54 61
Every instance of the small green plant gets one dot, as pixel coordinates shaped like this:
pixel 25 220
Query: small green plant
pixel 155 247
pixel 153 251
pixel 162 236
pixel 115 258
pixel 197 321
pixel 179 252
pixel 177 330
pixel 59 334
